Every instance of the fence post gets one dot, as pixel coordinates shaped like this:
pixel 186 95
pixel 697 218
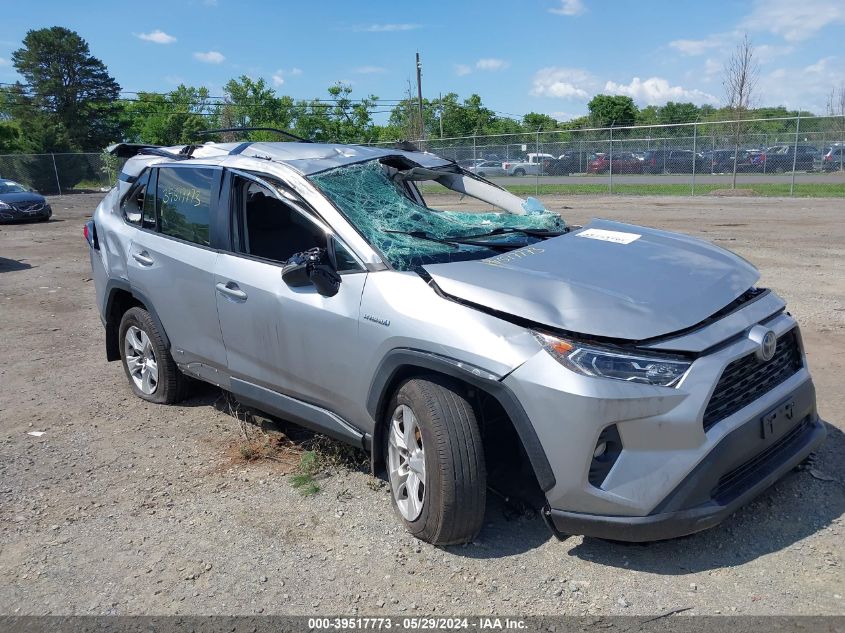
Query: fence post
pixel 610 161
pixel 694 155
pixel 538 166
pixel 795 154
pixel 56 171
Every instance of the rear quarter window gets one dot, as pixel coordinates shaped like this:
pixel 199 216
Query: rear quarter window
pixel 183 200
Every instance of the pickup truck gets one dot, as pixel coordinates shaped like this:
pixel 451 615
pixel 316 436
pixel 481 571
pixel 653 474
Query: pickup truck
pixel 530 167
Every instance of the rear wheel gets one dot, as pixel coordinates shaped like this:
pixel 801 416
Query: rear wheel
pixel 435 461
pixel 152 373
pixel 519 172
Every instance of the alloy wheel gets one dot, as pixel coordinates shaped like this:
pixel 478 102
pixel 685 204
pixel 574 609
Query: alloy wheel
pixel 140 360
pixel 406 462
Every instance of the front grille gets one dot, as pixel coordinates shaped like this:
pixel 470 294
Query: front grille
pixel 28 206
pixel 748 378
pixel 734 482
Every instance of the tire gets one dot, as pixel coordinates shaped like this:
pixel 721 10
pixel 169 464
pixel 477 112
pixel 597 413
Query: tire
pixel 442 425
pixel 165 385
pixel 519 172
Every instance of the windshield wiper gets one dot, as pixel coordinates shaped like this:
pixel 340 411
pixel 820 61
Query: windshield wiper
pixel 455 242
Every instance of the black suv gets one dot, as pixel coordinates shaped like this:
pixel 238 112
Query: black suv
pixel 676 161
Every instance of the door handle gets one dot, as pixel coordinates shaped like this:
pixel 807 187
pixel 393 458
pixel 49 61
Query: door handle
pixel 143 258
pixel 232 290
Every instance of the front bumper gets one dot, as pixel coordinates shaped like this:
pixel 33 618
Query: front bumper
pixel 666 479
pixel 18 215
pixel 751 478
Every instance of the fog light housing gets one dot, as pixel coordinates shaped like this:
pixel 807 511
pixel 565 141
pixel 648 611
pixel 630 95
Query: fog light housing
pixel 607 450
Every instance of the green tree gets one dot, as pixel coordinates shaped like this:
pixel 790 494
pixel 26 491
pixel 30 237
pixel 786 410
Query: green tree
pixel 339 119
pixel 533 120
pixel 678 113
pixel 616 110
pixel 252 103
pixel 172 118
pixel 69 92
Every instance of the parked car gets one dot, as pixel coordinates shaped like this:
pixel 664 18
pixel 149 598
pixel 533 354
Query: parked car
pixel 563 165
pixel 19 203
pixel 834 159
pixel 645 381
pixel 531 166
pixel 676 161
pixel 622 163
pixel 470 163
pixel 781 158
pixel 489 169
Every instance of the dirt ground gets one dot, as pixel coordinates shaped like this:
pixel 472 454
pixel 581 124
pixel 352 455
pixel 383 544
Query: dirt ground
pixel 122 507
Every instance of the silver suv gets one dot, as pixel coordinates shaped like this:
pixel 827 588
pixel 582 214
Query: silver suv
pixel 648 386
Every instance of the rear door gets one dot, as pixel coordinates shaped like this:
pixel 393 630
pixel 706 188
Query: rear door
pixel 289 340
pixel 172 261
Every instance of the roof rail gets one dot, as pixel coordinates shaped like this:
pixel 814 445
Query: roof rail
pixel 255 129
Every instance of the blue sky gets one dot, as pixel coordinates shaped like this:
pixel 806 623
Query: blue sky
pixel 546 56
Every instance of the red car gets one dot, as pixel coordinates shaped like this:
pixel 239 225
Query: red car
pixel 623 163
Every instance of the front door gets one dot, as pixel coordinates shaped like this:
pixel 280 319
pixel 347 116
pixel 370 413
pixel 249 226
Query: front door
pixel 290 340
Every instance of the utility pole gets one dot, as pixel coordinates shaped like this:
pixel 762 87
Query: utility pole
pixel 419 96
pixel 440 101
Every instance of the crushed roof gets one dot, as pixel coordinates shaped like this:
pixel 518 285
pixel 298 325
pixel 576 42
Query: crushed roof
pixel 312 158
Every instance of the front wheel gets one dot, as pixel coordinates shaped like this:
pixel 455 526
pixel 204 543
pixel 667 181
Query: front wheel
pixel 435 461
pixel 519 172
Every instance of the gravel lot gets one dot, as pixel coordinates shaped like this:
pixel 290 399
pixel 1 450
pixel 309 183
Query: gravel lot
pixel 128 508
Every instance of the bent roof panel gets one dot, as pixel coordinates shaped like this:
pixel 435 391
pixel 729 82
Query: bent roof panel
pixel 311 158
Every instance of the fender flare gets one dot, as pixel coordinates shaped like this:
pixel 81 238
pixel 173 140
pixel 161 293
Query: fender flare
pixel 112 286
pixel 399 359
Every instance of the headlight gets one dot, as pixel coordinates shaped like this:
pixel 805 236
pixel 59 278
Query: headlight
pixel 3 205
pixel 607 363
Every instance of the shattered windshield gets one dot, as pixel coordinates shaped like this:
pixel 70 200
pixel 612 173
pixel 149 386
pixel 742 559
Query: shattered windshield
pixel 410 234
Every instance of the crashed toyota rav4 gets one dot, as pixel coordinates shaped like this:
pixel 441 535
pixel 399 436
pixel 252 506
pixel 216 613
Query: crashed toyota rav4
pixel 648 385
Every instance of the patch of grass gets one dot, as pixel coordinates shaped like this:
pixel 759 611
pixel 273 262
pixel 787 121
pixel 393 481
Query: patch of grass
pixel 304 479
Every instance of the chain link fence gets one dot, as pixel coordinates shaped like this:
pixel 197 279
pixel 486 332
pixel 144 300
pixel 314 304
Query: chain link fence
pixel 797 156
pixel 55 174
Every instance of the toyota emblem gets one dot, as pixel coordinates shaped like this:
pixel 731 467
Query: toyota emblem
pixel 766 342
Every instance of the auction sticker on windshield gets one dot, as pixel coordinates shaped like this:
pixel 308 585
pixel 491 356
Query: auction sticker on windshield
pixel 618 237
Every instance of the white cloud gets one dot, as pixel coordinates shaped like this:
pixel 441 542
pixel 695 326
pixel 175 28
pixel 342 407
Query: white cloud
pixel 211 57
pixel 565 116
pixel 794 21
pixel 387 28
pixel 697 47
pixel 278 77
pixel 462 69
pixel 805 88
pixel 657 91
pixel 210 3
pixel 369 70
pixel 563 83
pixel 174 80
pixel 4 62
pixel 569 7
pixel 491 63
pixel 156 37
pixel 712 68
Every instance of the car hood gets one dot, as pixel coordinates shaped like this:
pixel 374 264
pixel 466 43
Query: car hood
pixel 22 196
pixel 606 279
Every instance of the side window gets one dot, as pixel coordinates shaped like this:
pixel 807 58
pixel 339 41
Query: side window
pixel 276 230
pixel 138 204
pixel 183 196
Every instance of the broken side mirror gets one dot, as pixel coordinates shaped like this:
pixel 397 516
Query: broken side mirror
pixel 312 267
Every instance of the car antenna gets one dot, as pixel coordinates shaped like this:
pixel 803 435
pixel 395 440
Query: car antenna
pixel 255 129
